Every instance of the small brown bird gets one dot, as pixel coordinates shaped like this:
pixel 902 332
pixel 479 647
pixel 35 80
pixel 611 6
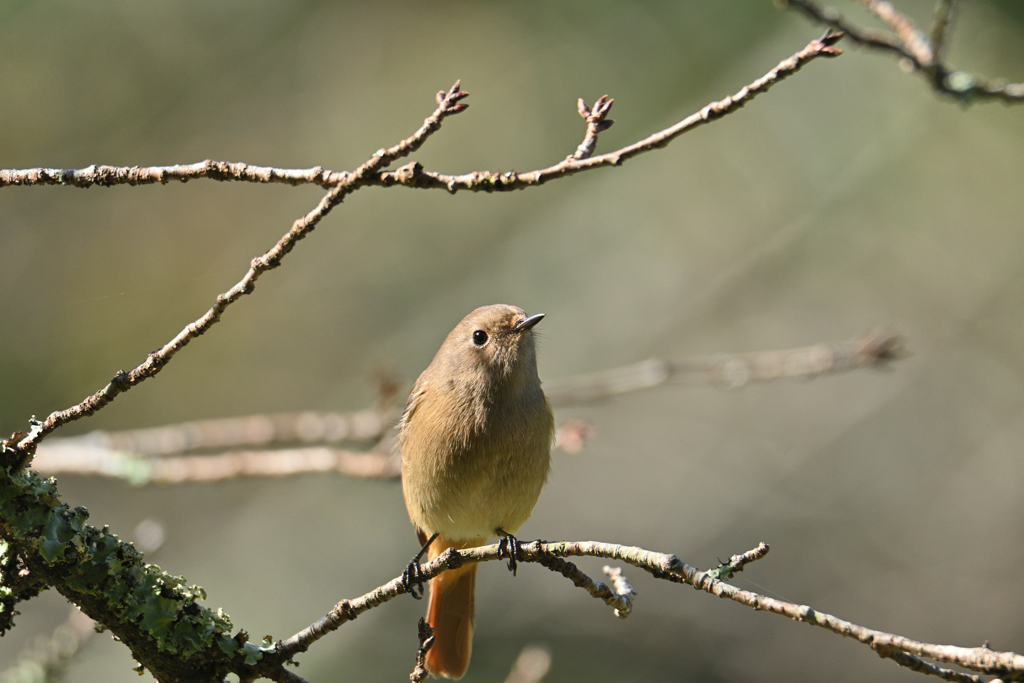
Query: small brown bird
pixel 476 449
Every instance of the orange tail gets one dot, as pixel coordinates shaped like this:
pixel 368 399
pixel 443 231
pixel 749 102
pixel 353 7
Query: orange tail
pixel 450 613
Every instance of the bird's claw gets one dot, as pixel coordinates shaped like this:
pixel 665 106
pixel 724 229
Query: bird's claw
pixel 410 580
pixel 508 546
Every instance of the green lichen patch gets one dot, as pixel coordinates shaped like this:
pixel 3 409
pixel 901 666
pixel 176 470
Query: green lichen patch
pixel 98 569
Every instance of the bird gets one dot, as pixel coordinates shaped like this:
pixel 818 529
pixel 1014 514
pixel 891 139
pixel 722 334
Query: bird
pixel 475 440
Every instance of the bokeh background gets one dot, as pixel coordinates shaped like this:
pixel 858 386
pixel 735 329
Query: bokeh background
pixel 847 197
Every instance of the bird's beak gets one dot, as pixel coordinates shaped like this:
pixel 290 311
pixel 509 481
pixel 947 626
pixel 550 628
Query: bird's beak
pixel 526 323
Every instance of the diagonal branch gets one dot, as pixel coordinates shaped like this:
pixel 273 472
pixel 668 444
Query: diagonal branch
pixel 904 27
pixel 448 104
pixel 413 175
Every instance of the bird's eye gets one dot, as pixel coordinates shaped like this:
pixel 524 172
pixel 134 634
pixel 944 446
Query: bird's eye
pixel 479 337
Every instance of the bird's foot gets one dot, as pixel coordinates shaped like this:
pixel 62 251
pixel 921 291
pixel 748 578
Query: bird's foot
pixel 508 545
pixel 412 580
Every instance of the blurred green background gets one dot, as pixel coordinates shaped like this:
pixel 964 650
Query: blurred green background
pixel 849 196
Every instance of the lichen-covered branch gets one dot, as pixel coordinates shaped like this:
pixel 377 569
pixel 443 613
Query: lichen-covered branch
pixel 157 615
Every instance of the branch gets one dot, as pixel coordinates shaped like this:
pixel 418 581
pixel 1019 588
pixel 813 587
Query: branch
pixel 532 665
pixel 413 175
pixel 426 636
pixel 95 454
pixel 85 461
pixel 736 563
pixel 909 43
pixel 107 176
pixel 176 638
pixel 943 17
pixel 250 431
pixel 448 104
pixel 903 651
pixel 873 349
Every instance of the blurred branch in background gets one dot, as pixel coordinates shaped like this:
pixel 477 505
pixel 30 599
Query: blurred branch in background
pixel 154 456
pixel 873 349
pixel 47 658
pixel 917 52
pixel 531 666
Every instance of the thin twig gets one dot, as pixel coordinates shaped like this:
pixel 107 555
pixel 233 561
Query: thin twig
pixel 830 16
pixel 621 587
pixel 597 122
pixel 736 563
pixel 413 175
pixel 426 636
pixel 943 18
pixel 448 104
pixel 621 603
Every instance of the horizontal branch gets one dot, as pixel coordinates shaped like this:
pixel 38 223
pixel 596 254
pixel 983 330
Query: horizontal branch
pixel 413 175
pixel 903 651
pixel 910 44
pixel 107 176
pixel 93 455
pixel 85 461
pixel 249 431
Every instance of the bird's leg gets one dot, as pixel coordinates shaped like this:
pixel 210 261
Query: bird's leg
pixel 412 571
pixel 508 544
